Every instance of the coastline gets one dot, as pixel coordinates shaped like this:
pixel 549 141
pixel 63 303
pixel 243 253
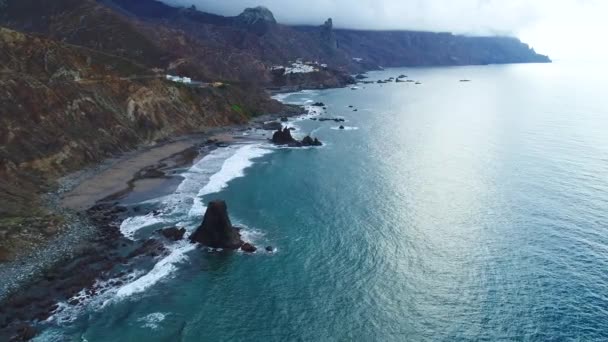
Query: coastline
pixel 93 244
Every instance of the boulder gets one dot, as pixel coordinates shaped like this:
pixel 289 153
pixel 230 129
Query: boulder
pixel 318 104
pixel 217 231
pixel 341 127
pixel 173 233
pixel 284 119
pixel 248 248
pixel 269 249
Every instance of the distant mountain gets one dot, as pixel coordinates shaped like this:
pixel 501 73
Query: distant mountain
pixel 337 47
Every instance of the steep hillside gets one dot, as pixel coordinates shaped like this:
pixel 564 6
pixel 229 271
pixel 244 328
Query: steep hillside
pixel 180 41
pixel 66 107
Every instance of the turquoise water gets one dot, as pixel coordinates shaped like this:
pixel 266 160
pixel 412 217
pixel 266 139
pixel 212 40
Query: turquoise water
pixel 448 211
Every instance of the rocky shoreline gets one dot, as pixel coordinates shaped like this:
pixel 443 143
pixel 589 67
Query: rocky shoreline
pixel 97 249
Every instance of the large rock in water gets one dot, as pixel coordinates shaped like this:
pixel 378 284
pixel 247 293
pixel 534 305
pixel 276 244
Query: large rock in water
pixel 283 137
pixel 217 231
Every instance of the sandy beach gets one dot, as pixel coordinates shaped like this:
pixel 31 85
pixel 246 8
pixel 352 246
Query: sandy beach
pixel 139 169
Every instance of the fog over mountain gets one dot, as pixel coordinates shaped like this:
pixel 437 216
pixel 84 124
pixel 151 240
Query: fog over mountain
pixel 551 26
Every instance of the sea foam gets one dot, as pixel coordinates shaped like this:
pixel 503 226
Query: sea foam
pixel 233 167
pixel 152 320
pixel 185 207
pixel 162 269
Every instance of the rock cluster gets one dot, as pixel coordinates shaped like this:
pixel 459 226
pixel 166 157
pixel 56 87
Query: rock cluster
pixel 283 137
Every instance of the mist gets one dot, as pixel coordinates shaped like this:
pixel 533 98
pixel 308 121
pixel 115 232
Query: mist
pixel 561 28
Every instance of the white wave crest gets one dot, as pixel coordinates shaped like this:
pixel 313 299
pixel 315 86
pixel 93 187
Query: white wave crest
pixel 233 167
pixel 131 225
pixel 162 269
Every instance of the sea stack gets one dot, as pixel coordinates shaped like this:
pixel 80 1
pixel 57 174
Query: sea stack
pixel 283 137
pixel 217 231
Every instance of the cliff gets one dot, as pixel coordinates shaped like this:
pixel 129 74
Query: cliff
pixel 409 48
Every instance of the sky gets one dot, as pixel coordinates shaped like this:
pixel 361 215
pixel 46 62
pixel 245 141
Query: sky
pixel 563 29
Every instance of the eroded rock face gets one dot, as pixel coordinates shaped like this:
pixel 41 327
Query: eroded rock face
pixel 217 231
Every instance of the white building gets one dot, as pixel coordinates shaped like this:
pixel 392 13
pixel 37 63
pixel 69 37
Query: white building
pixel 186 80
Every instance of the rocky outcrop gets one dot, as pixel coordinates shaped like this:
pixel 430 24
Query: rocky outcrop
pixel 258 20
pixel 283 137
pixel 309 141
pixel 217 231
pixel 328 37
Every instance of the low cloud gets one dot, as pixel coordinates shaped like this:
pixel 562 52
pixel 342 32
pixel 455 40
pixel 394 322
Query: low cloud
pixel 543 21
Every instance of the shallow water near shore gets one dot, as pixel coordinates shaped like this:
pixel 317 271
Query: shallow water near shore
pixel 447 210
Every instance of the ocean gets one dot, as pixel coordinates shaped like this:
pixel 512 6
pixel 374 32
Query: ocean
pixel 444 211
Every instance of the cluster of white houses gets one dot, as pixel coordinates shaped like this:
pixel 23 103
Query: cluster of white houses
pixel 186 80
pixel 300 67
